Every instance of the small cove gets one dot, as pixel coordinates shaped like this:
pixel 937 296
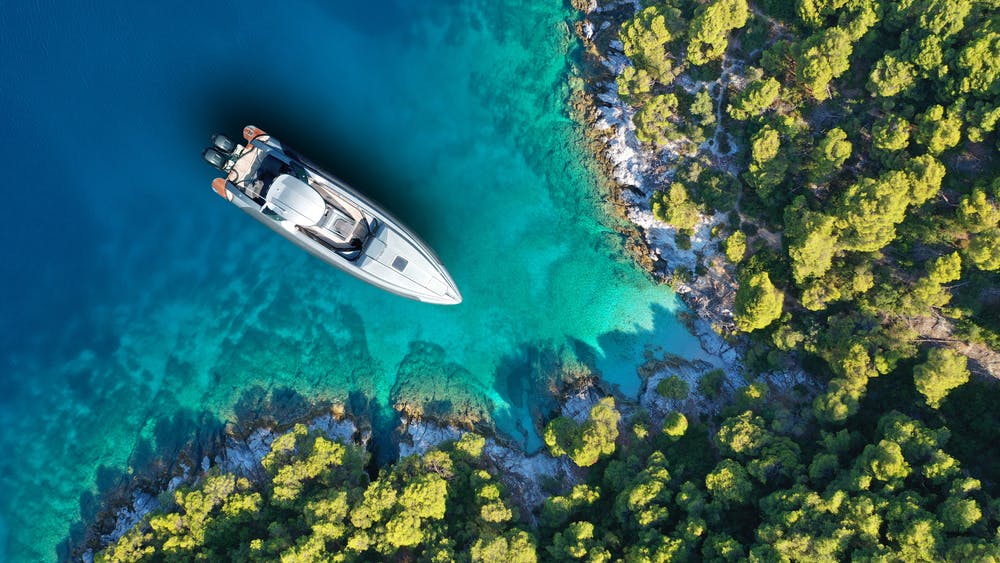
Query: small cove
pixel 147 308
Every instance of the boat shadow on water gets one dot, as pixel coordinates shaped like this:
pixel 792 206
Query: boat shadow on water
pixel 333 145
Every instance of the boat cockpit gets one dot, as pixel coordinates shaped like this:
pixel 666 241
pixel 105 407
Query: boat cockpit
pixel 288 192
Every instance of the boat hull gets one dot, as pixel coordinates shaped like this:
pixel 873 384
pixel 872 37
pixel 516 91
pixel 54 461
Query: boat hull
pixel 391 258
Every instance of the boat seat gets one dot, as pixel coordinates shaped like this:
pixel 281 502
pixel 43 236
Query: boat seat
pixel 337 223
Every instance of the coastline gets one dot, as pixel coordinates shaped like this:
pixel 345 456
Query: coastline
pixel 630 173
pixel 699 274
pixel 698 270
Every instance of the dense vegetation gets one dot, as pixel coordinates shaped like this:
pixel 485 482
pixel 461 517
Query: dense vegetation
pixel 863 202
pixel 863 227
pixel 654 494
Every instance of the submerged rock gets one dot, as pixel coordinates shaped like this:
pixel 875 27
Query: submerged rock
pixel 430 387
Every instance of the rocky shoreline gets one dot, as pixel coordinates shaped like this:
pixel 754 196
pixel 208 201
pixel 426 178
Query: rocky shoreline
pixel 697 270
pixel 698 273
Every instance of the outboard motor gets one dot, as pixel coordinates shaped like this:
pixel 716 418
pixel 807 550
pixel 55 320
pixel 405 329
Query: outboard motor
pixel 215 158
pixel 223 143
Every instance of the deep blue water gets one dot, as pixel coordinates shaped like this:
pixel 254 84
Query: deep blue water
pixel 139 308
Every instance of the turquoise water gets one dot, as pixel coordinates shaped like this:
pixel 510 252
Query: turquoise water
pixel 140 308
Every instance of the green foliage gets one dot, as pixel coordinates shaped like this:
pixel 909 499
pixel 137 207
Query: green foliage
pixel 675 208
pixel 811 241
pixel 729 483
pixel 943 371
pixel 708 34
pixel 710 383
pixel 634 84
pixel 977 212
pixel 755 99
pixel 652 121
pixel 675 425
pixel 984 250
pixel 559 434
pixel 736 247
pixel 585 443
pixel 821 58
pixel 891 133
pixel 645 39
pixel 830 155
pixel 471 445
pixel 758 303
pixel 673 387
pixel 870 210
pixel 703 106
pixel 938 131
pixel 768 165
pixel 891 76
pixel 743 435
pixel 514 547
pixel 577 542
pixel 979 62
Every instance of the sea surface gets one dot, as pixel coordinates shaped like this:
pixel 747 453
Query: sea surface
pixel 139 309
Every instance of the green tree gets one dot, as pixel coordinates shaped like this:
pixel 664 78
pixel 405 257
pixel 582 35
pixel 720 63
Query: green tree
pixel 736 247
pixel 673 387
pixel 891 76
pixel 755 99
pixel 577 541
pixel 559 435
pixel 830 155
pixel 585 443
pixel 812 241
pixel 925 174
pixel 984 250
pixel 703 106
pixel 598 434
pixel 634 84
pixel 885 461
pixel 978 213
pixel 758 303
pixel 870 210
pixel 516 546
pixel 652 121
pixel 929 292
pixel 644 39
pixel 675 208
pixel 937 130
pixel 709 30
pixel 943 371
pixel 821 58
pixel 767 166
pixel 742 435
pixel 729 483
pixel 675 425
pixel 891 133
pixel 979 62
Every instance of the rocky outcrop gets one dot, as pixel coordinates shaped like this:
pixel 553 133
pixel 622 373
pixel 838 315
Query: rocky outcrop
pixel 695 269
pixel 428 387
pixel 527 477
pixel 240 453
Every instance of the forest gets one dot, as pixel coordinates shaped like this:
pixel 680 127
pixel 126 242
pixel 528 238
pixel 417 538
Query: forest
pixel 862 223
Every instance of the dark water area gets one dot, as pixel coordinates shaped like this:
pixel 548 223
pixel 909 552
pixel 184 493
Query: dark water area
pixel 140 309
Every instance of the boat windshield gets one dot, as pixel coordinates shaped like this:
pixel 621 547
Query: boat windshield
pixel 257 186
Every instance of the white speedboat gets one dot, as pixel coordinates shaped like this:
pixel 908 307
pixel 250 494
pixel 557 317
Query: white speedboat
pixel 326 217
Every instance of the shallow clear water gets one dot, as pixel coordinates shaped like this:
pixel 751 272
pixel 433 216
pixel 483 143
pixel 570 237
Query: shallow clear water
pixel 139 307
